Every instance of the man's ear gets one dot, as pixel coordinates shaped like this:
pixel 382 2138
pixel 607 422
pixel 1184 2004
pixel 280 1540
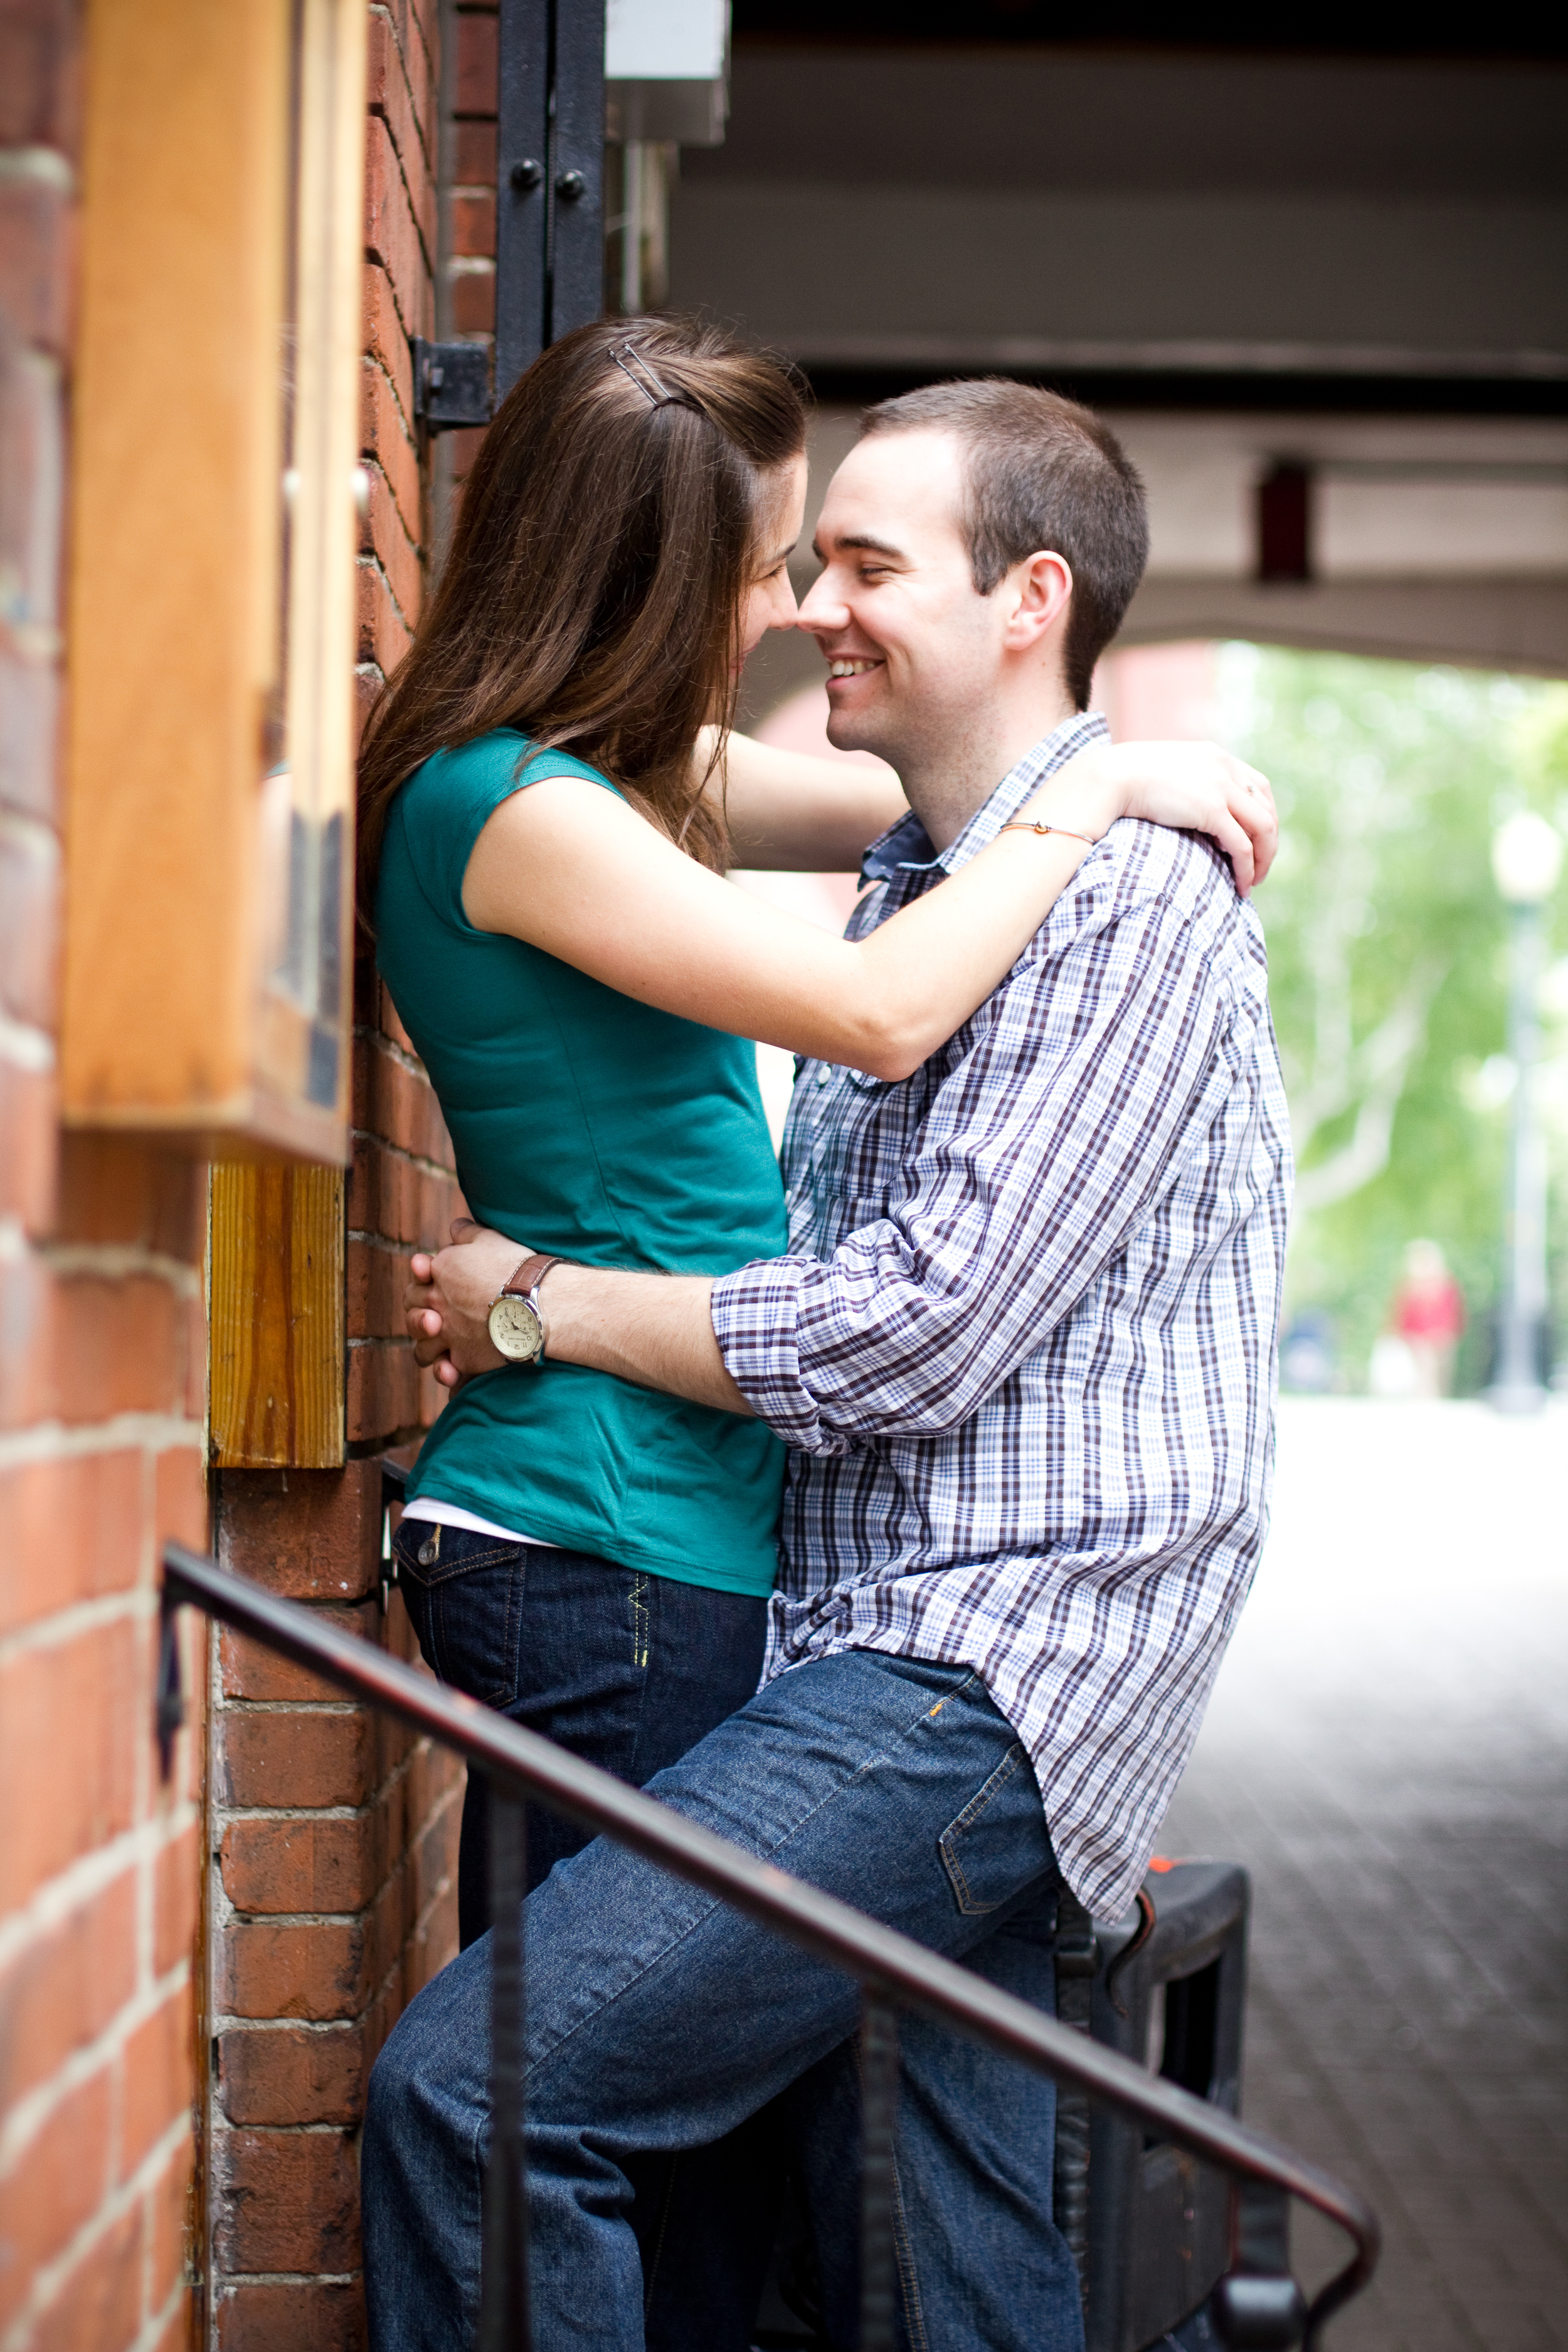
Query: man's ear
pixel 1039 589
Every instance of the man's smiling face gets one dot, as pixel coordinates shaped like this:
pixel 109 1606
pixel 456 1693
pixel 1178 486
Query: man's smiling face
pixel 909 642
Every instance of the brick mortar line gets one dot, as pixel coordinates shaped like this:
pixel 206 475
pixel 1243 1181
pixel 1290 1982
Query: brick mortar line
pixel 335 1706
pixel 375 259
pixel 373 114
pixel 223 1814
pixel 120 1262
pixel 228 2021
pixel 380 1242
pixel 26 2117
pixel 470 264
pixel 390 22
pixel 414 1158
pixel 371 460
pixel 309 1813
pixel 375 360
pixel 224 2126
pixel 135 1601
pixel 286 2278
pixel 157 2322
pixel 52 1905
pixel 59 1441
pixel 383 114
pixel 367 559
pixel 240 1916
pixel 380 1043
pixel 47 2281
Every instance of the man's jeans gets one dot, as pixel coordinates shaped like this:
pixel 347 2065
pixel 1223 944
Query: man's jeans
pixel 659 2020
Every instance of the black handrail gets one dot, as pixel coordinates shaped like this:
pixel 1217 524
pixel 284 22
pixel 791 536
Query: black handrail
pixel 892 1968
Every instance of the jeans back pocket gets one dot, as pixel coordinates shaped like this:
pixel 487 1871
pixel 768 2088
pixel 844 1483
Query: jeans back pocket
pixel 463 1592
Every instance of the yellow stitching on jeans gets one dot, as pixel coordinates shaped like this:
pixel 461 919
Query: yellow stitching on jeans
pixel 639 1623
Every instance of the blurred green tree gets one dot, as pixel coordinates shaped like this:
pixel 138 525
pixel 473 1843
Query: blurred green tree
pixel 1388 965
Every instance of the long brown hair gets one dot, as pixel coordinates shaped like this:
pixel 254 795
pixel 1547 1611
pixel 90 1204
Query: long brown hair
pixel 592 597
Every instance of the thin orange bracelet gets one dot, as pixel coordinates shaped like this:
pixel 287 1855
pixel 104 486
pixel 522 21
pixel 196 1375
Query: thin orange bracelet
pixel 1027 825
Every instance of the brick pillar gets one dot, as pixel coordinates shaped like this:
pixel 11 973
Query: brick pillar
pixel 102 1357
pixel 335 1836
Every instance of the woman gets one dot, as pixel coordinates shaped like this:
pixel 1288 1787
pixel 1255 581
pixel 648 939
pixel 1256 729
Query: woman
pixel 550 797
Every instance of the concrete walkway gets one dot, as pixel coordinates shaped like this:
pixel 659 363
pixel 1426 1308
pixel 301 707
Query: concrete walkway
pixel 1387 1752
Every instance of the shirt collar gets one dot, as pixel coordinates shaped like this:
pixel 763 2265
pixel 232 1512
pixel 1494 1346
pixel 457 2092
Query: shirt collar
pixel 906 847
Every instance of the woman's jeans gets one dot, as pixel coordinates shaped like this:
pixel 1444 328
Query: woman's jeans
pixel 626 1669
pixel 659 2020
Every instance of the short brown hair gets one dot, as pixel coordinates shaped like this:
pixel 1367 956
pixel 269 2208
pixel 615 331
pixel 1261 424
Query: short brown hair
pixel 1043 474
pixel 592 596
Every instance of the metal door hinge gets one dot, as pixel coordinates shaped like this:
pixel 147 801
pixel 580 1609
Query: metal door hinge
pixel 451 383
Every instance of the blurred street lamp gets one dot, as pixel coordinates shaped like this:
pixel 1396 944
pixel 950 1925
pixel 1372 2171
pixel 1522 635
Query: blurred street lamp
pixel 1527 857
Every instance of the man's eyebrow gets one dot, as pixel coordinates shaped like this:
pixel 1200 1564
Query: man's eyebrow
pixel 864 539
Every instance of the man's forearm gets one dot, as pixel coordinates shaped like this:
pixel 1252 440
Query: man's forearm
pixel 656 1329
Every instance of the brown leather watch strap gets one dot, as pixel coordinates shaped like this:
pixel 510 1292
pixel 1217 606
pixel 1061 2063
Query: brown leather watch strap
pixel 529 1276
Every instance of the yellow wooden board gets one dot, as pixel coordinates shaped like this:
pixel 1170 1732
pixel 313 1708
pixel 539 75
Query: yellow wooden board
pixel 275 1304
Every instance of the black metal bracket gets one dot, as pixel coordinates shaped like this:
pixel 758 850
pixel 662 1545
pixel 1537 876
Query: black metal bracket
pixel 451 384
pixel 169 1708
pixel 394 1486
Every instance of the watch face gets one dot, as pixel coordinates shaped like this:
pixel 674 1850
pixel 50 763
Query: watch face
pixel 515 1329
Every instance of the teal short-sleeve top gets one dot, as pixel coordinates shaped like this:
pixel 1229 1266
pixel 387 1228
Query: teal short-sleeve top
pixel 601 1129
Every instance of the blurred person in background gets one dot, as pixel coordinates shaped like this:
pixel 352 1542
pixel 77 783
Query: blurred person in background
pixel 1429 1315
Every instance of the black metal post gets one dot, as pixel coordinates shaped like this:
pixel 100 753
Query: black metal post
pixel 549 172
pixel 522 189
pixel 577 167
pixel 878 2115
pixel 503 2302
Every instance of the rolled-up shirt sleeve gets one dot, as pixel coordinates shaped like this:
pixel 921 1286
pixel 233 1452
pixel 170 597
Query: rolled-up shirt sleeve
pixel 1093 1071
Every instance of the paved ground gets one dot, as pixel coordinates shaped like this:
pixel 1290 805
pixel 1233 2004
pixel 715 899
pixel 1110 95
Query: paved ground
pixel 1387 1753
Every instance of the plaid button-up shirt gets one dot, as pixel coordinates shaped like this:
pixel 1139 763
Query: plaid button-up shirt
pixel 1023 1345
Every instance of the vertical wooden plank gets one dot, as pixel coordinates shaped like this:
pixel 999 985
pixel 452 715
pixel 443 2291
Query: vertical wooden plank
pixel 276 1311
pixel 172 600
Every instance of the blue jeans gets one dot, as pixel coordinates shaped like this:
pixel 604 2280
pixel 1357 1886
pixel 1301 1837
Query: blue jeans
pixel 659 2020
pixel 627 1669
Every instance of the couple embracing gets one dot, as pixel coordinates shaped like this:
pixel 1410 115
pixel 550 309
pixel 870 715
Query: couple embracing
pixel 893 1521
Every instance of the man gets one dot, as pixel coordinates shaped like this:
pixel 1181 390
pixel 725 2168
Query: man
pixel 1023 1349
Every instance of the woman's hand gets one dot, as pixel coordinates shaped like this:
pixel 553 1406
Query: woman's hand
pixel 1197 787
pixel 447 1303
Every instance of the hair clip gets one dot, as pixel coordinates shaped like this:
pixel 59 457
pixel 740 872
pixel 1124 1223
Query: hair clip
pixel 646 383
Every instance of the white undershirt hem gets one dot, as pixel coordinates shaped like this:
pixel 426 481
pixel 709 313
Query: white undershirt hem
pixel 452 1515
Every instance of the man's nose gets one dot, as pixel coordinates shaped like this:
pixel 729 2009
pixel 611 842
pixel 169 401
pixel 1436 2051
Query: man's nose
pixel 821 610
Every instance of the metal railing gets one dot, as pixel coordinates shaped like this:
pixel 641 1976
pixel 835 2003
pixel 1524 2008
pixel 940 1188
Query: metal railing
pixel 1257 2307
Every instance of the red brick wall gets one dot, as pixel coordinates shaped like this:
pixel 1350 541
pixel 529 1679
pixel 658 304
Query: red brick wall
pixel 102 1363
pixel 335 1836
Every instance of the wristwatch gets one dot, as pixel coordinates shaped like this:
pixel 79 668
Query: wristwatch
pixel 516 1321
